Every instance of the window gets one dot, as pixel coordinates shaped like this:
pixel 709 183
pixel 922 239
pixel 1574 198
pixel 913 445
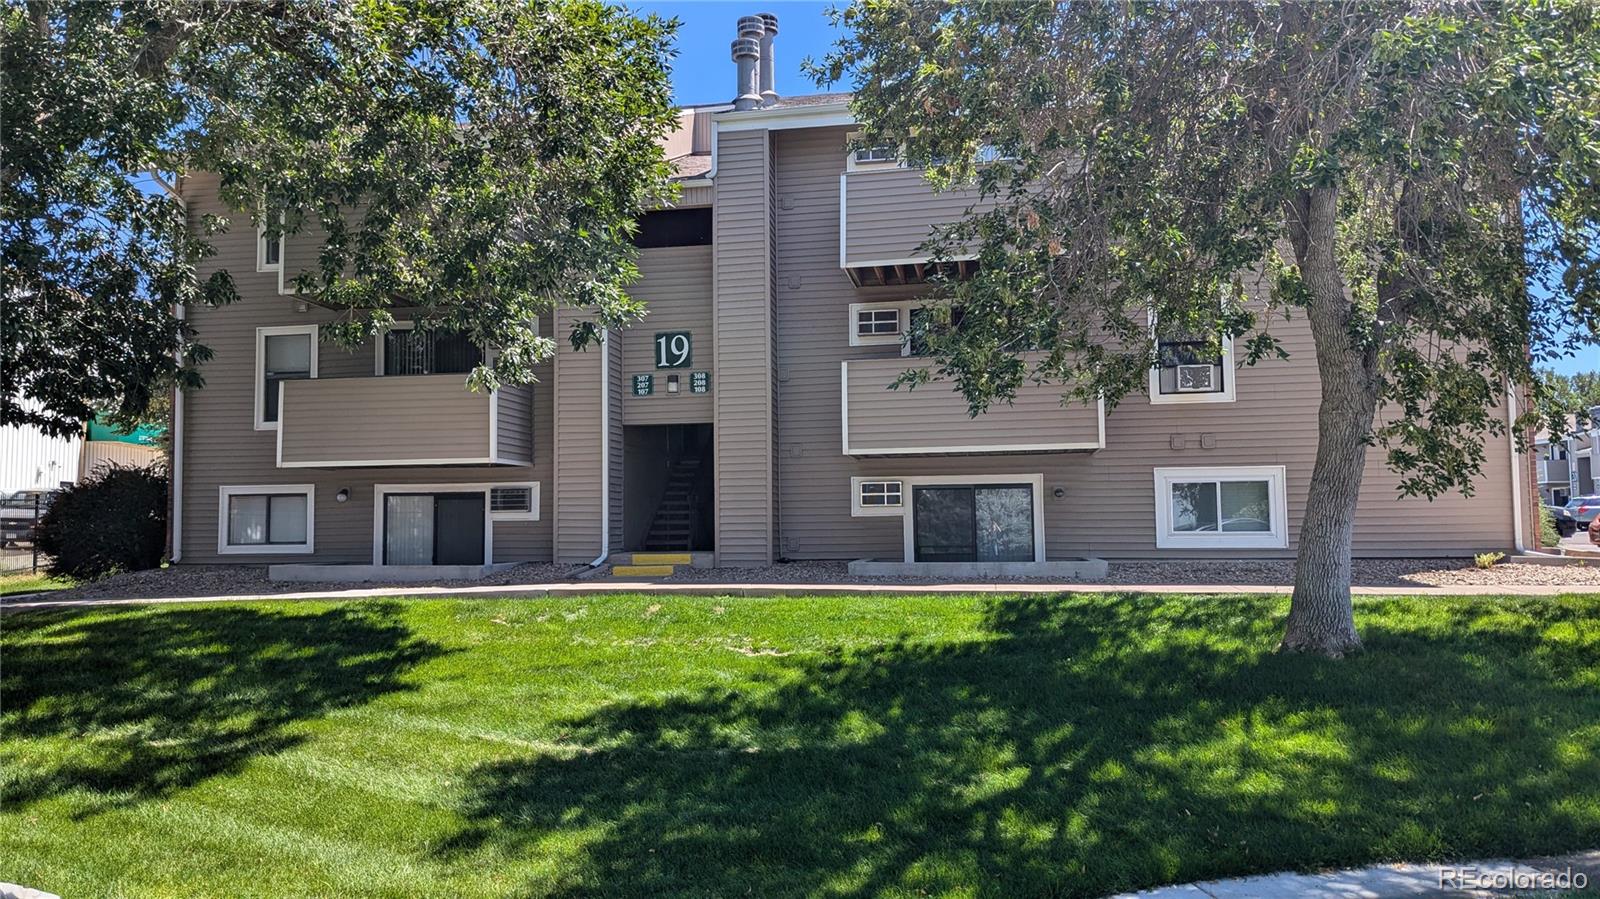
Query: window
pixel 674 228
pixel 282 354
pixel 872 496
pixel 1187 370
pixel 408 350
pixel 873 324
pixel 881 154
pixel 269 248
pixel 265 519
pixel 512 502
pixel 1236 508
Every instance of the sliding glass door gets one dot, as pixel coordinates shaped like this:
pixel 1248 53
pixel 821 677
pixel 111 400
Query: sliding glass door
pixel 973 523
pixel 433 529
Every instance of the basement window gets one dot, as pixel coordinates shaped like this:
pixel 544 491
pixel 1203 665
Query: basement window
pixel 511 502
pixel 1229 507
pixel 877 496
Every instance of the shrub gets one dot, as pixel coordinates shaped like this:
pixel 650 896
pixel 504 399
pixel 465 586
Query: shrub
pixel 115 520
pixel 1487 560
pixel 1548 535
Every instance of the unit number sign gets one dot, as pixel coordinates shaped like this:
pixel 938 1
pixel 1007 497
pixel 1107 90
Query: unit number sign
pixel 673 349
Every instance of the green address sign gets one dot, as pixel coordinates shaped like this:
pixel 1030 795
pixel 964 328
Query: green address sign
pixel 674 349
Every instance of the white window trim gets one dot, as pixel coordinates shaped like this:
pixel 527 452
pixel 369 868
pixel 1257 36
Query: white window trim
pixel 379 491
pixel 1229 377
pixel 857 510
pixel 533 502
pixel 224 548
pixel 261 249
pixel 261 369
pixel 904 307
pixel 908 534
pixel 1274 475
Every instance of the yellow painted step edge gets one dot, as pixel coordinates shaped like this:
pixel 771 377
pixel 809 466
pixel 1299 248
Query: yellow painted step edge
pixel 642 570
pixel 661 558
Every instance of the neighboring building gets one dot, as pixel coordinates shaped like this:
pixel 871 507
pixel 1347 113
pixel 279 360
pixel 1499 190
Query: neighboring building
pixel 30 460
pixel 1569 467
pixel 748 414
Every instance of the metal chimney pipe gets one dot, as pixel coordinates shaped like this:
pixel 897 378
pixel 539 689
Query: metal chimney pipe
pixel 769 66
pixel 747 53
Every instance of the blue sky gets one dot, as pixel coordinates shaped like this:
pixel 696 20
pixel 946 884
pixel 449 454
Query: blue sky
pixel 703 71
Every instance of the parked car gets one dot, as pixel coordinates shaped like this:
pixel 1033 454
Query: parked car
pixel 1565 524
pixel 18 513
pixel 1584 509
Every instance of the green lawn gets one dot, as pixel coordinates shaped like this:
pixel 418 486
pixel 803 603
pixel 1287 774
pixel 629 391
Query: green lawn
pixel 1071 745
pixel 11 584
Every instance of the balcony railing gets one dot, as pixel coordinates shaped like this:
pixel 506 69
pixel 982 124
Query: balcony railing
pixel 1554 471
pixel 401 420
pixel 933 419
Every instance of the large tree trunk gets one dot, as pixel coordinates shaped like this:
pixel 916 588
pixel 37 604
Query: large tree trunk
pixel 1321 618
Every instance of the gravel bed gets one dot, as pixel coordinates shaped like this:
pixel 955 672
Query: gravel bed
pixel 220 580
pixel 1367 573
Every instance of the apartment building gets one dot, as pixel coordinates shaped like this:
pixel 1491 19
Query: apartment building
pixel 1567 466
pixel 749 415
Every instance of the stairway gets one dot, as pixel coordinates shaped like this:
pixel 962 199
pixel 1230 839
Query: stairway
pixel 651 565
pixel 671 530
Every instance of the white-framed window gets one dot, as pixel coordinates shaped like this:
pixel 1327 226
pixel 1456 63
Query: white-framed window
pixel 877 496
pixel 974 518
pixel 266 518
pixel 514 502
pixel 875 324
pixel 287 353
pixel 1188 370
pixel 269 248
pixel 1226 507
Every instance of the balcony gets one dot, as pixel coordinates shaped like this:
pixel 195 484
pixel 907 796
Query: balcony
pixel 1554 471
pixel 932 420
pixel 887 216
pixel 402 420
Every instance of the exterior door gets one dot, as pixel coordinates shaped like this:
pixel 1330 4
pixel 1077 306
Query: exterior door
pixel 458 529
pixel 979 523
pixel 408 529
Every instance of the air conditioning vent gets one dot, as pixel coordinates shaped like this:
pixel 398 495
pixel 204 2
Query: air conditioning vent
pixel 1196 379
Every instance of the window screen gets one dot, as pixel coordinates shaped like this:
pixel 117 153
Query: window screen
pixel 288 358
pixel 880 493
pixel 874 322
pixel 511 499
pixel 266 519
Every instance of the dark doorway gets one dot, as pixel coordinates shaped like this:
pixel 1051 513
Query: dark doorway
pixel 667 488
pixel 433 529
pixel 983 523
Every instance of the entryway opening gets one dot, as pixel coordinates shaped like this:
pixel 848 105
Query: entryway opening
pixel 973 523
pixel 433 528
pixel 667 484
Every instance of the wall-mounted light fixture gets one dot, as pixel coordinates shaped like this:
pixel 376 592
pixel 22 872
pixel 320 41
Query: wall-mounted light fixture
pixel 342 496
pixel 672 383
pixel 302 306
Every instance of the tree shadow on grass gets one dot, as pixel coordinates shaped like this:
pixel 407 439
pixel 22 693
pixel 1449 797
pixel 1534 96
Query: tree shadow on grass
pixel 1082 746
pixel 132 705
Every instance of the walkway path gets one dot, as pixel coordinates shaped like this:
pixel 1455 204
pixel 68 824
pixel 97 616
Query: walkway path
pixel 1496 877
pixel 700 588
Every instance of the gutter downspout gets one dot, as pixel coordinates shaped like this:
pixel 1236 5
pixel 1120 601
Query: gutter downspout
pixel 180 311
pixel 605 453
pixel 1516 474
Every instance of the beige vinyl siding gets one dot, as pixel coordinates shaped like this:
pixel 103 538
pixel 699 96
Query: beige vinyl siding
pixel 98 454
pixel 878 227
pixel 615 444
pixel 676 289
pixel 743 315
pixel 1108 505
pixel 698 195
pixel 514 424
pixel 385 421
pixel 222 448
pixel 933 417
pixel 578 407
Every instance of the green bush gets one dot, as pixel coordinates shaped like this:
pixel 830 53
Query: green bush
pixel 116 520
pixel 1548 535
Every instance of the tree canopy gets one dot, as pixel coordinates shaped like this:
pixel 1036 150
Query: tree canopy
pixel 479 162
pixel 1400 174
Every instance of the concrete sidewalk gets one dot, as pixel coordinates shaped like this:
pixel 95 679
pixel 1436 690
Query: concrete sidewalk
pixel 1554 876
pixel 666 588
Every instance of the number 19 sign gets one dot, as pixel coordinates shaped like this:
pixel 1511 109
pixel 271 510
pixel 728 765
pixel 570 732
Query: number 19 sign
pixel 673 349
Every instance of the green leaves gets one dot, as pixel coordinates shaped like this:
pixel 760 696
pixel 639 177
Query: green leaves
pixel 478 162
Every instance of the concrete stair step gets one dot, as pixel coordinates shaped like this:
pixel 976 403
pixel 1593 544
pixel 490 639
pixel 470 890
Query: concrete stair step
pixel 642 570
pixel 660 558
